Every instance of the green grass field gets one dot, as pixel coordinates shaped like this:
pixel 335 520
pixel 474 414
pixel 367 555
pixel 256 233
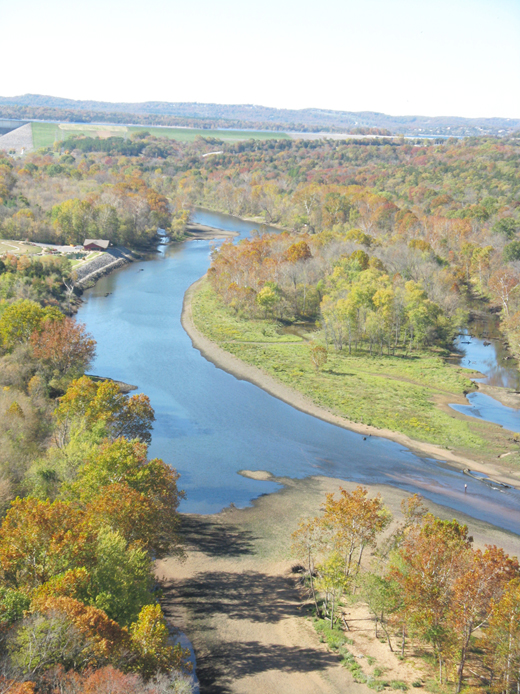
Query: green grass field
pixel 45 134
pixel 401 393
pixel 189 134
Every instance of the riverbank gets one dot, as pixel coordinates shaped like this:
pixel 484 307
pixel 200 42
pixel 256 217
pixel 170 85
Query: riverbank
pixel 240 604
pixel 244 371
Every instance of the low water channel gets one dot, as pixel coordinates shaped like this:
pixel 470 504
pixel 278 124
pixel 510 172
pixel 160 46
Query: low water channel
pixel 483 349
pixel 211 425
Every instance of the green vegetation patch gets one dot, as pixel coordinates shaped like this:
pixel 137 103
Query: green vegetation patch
pixel 388 392
pixel 220 324
pixel 189 134
pixel 45 134
pixel 333 637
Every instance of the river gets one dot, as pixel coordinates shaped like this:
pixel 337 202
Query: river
pixel 211 425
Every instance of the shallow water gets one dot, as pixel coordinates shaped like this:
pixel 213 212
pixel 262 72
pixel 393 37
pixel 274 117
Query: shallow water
pixel 487 408
pixel 210 425
pixel 483 350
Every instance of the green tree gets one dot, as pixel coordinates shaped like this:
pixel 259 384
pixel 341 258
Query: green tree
pixel 268 297
pixel 149 637
pixel 121 578
pixel 74 220
pixel 333 582
pixel 508 226
pixel 512 252
pixel 20 319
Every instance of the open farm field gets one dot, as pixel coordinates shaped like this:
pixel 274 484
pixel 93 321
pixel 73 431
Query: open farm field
pixel 403 393
pixel 45 134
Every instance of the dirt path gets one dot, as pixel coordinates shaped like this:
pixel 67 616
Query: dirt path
pixel 237 600
pixel 245 618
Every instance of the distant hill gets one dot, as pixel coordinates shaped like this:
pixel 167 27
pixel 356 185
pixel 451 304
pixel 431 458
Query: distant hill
pixel 247 115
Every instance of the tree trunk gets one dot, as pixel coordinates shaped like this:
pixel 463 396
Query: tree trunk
pixel 463 654
pixel 311 577
pixel 387 635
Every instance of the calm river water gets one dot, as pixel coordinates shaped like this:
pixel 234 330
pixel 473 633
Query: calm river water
pixel 211 425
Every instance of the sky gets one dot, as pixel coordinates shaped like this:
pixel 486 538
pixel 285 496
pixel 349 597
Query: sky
pixel 401 57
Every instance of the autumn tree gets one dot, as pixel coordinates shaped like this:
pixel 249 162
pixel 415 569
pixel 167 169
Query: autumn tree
pixel 502 639
pixel 425 568
pixel 40 539
pixel 63 348
pixel 502 284
pixel 95 402
pixel 151 484
pixel 354 522
pixel 318 356
pixel 481 581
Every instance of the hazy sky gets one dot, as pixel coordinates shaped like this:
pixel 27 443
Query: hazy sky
pixel 427 57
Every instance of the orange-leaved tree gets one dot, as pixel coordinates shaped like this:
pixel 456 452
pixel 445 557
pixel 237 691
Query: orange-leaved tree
pixel 40 539
pixel 354 522
pixel 63 347
pixel 502 639
pixel 481 581
pixel 425 568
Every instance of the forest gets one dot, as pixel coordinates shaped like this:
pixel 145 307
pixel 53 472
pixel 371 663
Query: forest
pixel 387 248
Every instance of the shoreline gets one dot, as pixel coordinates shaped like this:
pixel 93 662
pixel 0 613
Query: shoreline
pixel 245 372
